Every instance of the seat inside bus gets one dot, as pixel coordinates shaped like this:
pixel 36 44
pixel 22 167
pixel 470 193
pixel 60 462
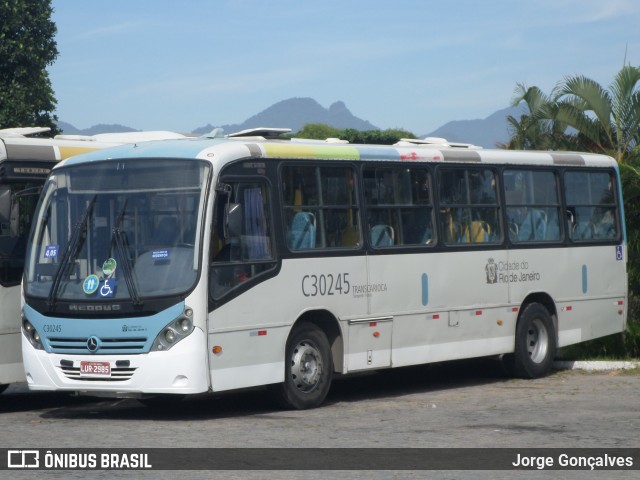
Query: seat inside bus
pixel 302 234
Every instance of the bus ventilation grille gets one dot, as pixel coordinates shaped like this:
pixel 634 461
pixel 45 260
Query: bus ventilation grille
pixel 105 346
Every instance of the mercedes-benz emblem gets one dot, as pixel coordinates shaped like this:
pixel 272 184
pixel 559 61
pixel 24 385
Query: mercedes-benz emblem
pixel 93 343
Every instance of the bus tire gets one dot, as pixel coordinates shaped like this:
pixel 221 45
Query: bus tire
pixel 308 369
pixel 535 343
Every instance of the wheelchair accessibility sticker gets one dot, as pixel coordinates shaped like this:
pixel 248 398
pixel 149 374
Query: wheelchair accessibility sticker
pixel 108 288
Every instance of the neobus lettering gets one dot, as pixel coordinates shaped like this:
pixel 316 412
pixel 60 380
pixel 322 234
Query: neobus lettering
pixel 329 284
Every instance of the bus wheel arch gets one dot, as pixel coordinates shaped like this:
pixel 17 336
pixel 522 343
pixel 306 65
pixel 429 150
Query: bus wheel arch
pixel 328 323
pixel 309 365
pixel 536 338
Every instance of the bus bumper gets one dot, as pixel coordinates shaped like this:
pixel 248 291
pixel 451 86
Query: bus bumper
pixel 181 370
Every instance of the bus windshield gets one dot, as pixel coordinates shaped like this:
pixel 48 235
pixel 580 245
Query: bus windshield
pixel 17 203
pixel 126 230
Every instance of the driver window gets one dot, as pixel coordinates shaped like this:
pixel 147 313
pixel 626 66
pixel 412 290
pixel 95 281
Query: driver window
pixel 242 242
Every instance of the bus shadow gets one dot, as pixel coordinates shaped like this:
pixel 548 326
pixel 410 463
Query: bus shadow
pixel 418 379
pixel 354 388
pixel 18 398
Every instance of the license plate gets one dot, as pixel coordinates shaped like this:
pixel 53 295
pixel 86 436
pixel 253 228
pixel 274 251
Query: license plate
pixel 95 369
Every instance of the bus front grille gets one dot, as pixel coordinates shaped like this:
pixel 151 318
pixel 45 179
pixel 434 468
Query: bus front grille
pixel 95 345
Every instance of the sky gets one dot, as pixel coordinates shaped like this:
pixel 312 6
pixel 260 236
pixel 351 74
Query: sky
pixel 411 64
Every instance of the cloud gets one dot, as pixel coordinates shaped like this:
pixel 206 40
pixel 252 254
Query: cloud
pixel 572 12
pixel 112 30
pixel 216 82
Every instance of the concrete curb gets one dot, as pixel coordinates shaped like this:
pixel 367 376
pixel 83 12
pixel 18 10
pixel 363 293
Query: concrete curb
pixel 595 365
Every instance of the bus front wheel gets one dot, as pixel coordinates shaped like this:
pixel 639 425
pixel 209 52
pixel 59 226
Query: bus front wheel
pixel 535 343
pixel 308 369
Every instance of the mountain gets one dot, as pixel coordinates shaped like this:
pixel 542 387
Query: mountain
pixel 294 113
pixel 486 132
pixel 69 129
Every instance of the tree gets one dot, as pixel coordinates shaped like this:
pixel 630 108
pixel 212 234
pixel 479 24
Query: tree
pixel 608 121
pixel 531 130
pixel 539 128
pixel 582 115
pixel 376 137
pixel 320 131
pixel 27 47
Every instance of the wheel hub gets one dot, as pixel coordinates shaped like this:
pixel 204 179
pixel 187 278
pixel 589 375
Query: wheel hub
pixel 306 366
pixel 537 341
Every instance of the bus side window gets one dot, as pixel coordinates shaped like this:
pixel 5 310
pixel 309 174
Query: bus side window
pixel 17 203
pixel 592 211
pixel 469 206
pixel 242 240
pixel 320 207
pixel 532 205
pixel 399 206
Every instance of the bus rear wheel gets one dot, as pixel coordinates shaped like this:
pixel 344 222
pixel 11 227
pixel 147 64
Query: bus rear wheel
pixel 535 345
pixel 308 369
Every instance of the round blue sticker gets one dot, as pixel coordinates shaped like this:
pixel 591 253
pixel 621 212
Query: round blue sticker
pixel 90 284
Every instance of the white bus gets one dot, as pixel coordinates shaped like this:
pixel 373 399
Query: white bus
pixel 25 163
pixel 196 265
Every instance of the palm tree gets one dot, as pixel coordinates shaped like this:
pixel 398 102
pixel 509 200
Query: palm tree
pixel 539 128
pixel 528 131
pixel 608 121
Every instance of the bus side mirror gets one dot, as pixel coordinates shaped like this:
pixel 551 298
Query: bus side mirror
pixel 232 220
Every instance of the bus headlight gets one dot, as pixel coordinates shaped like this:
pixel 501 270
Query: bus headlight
pixel 185 325
pixel 29 331
pixel 169 335
pixel 175 331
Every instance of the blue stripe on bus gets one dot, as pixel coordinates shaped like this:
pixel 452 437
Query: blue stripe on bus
pixel 378 153
pixel 187 148
pixel 585 285
pixel 425 289
pixel 130 335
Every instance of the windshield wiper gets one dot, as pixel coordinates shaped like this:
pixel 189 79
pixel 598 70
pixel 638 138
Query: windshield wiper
pixel 118 237
pixel 69 254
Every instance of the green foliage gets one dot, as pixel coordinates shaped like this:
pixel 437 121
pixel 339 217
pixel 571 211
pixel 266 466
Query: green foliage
pixel 630 176
pixel 604 121
pixel 625 345
pixel 319 131
pixel 27 47
pixel 609 120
